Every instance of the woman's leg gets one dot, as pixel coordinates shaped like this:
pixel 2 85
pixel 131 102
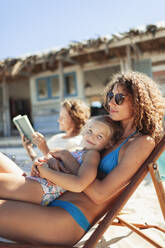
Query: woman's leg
pixel 20 188
pixel 8 166
pixel 31 223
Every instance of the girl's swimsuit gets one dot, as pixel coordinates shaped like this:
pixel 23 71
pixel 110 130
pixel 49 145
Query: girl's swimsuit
pixel 107 164
pixel 52 191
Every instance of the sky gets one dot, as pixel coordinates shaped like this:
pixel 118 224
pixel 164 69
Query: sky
pixel 32 26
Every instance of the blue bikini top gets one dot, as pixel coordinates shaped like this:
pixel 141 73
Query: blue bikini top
pixel 110 161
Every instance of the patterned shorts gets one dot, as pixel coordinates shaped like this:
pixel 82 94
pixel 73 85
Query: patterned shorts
pixel 50 191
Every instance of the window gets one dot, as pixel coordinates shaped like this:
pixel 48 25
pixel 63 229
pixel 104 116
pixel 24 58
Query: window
pixel 49 87
pixel 55 87
pixel 70 88
pixel 42 88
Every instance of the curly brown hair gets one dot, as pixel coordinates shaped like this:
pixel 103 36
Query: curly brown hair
pixel 148 102
pixel 78 111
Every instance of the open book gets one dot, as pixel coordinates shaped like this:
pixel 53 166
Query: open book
pixel 24 126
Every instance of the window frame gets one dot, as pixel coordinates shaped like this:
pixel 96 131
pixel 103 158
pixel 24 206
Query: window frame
pixel 48 80
pixel 75 84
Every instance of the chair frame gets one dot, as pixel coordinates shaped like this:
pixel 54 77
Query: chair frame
pixel 114 208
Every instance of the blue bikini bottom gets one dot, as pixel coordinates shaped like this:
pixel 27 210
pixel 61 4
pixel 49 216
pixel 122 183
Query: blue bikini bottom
pixel 74 211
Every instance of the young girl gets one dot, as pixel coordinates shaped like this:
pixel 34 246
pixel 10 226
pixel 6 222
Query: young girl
pixel 47 184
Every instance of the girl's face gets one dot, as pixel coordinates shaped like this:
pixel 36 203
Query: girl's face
pixel 123 111
pixel 96 135
pixel 65 121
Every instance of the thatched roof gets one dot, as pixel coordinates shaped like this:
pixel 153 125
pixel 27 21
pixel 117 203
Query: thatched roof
pixel 97 49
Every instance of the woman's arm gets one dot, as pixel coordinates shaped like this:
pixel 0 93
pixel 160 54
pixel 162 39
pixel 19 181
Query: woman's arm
pixel 76 183
pixel 131 159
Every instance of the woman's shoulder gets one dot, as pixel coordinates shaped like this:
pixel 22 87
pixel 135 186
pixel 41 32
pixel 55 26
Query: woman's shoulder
pixel 145 139
pixel 139 143
pixel 136 150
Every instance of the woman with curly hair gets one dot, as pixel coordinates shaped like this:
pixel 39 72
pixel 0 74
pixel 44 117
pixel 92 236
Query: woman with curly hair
pixel 133 100
pixel 73 116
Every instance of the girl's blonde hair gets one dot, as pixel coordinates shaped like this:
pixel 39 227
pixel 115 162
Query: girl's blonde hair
pixel 148 102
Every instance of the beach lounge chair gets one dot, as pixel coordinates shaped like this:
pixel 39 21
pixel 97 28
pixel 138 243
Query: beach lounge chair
pixel 112 213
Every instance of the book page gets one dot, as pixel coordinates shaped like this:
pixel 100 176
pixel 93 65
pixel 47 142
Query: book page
pixel 24 126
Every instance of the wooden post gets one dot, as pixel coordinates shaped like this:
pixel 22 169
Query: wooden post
pixel 6 110
pixel 160 191
pixel 61 79
pixel 128 54
pixel 81 82
pixel 122 65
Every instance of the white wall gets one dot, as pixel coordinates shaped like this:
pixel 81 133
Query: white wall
pixel 97 78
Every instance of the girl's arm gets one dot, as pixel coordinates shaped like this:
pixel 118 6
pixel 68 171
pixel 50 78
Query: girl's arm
pixel 132 158
pixel 76 183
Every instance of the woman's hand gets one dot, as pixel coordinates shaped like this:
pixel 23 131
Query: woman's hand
pixel 40 142
pixel 26 143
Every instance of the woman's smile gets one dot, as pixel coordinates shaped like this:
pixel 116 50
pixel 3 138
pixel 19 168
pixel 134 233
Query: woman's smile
pixel 113 111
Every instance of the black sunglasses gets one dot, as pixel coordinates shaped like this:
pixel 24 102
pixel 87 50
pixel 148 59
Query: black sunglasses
pixel 119 97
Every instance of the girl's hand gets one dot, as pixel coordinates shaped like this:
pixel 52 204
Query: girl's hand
pixel 42 168
pixel 38 162
pixel 36 168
